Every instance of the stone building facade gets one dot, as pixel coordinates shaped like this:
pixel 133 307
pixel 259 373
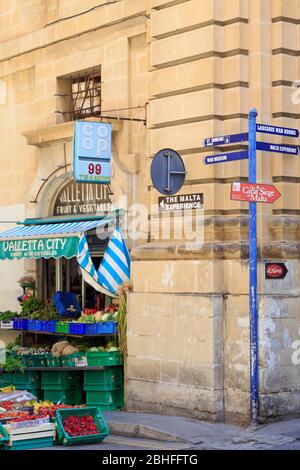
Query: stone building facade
pixel 192 69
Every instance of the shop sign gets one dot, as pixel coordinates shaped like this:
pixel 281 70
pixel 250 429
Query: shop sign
pixel 53 247
pixel 92 152
pixel 82 199
pixel 275 270
pixel 181 202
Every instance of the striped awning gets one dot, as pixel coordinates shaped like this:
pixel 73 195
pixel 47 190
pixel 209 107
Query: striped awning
pixel 45 240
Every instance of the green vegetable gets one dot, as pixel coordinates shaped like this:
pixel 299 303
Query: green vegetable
pixel 8 315
pixel 13 364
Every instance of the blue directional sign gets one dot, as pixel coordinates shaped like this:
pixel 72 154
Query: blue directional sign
pixel 278 148
pixel 226 157
pixel 283 131
pixel 225 139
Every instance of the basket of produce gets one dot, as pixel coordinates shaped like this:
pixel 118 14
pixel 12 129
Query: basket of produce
pixel 62 327
pixel 77 328
pixel 39 360
pixel 81 426
pixel 53 361
pixel 107 328
pixel 102 357
pixel 50 326
pixel 74 360
pixel 20 323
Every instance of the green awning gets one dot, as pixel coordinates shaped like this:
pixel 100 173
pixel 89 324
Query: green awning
pixel 45 240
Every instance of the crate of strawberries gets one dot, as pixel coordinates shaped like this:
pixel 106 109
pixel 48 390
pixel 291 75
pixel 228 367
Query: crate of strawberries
pixel 81 426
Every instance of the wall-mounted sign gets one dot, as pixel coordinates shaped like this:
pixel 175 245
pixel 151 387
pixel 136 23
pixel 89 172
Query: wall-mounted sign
pixel 275 270
pixel 167 172
pixel 82 199
pixel 53 247
pixel 181 202
pixel 92 152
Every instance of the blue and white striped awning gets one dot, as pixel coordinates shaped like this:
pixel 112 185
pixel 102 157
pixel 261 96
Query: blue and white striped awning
pixel 46 240
pixel 67 228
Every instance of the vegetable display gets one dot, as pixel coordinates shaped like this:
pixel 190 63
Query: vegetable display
pixel 79 426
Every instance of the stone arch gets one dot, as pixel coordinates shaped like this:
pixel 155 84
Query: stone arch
pixel 49 194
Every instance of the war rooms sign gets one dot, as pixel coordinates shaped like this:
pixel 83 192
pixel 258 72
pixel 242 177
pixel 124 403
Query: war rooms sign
pixel 82 198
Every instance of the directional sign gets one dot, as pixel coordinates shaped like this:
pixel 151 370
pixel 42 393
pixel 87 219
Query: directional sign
pixel 254 192
pixel 225 139
pixel 181 202
pixel 226 157
pixel 283 131
pixel 281 148
pixel 275 270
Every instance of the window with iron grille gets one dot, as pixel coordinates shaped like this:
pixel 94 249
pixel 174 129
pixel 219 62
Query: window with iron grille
pixel 79 96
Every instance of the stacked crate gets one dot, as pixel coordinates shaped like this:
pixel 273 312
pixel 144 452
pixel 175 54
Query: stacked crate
pixel 105 388
pixel 62 387
pixel 29 380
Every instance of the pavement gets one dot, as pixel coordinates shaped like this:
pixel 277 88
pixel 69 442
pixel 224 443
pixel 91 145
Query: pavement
pixel 186 433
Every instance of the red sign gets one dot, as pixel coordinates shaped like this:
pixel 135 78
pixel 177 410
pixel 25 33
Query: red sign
pixel 276 270
pixel 250 192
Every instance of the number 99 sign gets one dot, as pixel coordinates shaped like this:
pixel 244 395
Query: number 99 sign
pixel 92 152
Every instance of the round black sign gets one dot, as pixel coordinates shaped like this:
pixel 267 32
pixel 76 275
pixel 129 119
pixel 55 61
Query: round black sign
pixel 167 172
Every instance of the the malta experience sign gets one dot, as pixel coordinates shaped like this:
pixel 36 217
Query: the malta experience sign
pixel 51 247
pixel 92 152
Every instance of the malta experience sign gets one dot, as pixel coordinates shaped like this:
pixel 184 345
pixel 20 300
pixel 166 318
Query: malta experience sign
pixel 181 202
pixel 52 247
pixel 92 152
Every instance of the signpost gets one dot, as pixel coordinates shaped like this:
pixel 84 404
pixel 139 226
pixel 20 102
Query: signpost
pixel 181 202
pixel 252 193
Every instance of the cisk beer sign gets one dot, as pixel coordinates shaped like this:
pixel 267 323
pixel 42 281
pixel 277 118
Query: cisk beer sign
pixel 275 270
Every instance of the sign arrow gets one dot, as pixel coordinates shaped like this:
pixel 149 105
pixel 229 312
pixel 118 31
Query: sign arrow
pixel 251 192
pixel 281 148
pixel 225 139
pixel 226 157
pixel 283 131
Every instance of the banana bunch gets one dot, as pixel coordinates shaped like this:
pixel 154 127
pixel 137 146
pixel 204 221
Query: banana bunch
pixel 9 388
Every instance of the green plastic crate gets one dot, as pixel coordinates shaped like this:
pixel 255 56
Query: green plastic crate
pixel 104 380
pixel 62 327
pixel 59 380
pixel 26 359
pixel 4 437
pixel 38 360
pixel 66 397
pixel 53 361
pixel 27 381
pixel 37 443
pixel 2 380
pixel 112 400
pixel 8 379
pixel 67 440
pixel 104 358
pixel 69 361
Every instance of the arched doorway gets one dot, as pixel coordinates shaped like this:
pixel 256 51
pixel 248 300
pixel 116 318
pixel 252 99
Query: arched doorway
pixel 65 201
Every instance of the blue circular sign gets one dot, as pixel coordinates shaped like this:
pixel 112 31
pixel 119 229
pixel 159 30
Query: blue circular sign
pixel 167 172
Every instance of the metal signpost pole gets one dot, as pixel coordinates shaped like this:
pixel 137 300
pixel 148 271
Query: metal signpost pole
pixel 254 385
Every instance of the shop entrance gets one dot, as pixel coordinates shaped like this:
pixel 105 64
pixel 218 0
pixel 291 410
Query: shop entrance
pixel 70 280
